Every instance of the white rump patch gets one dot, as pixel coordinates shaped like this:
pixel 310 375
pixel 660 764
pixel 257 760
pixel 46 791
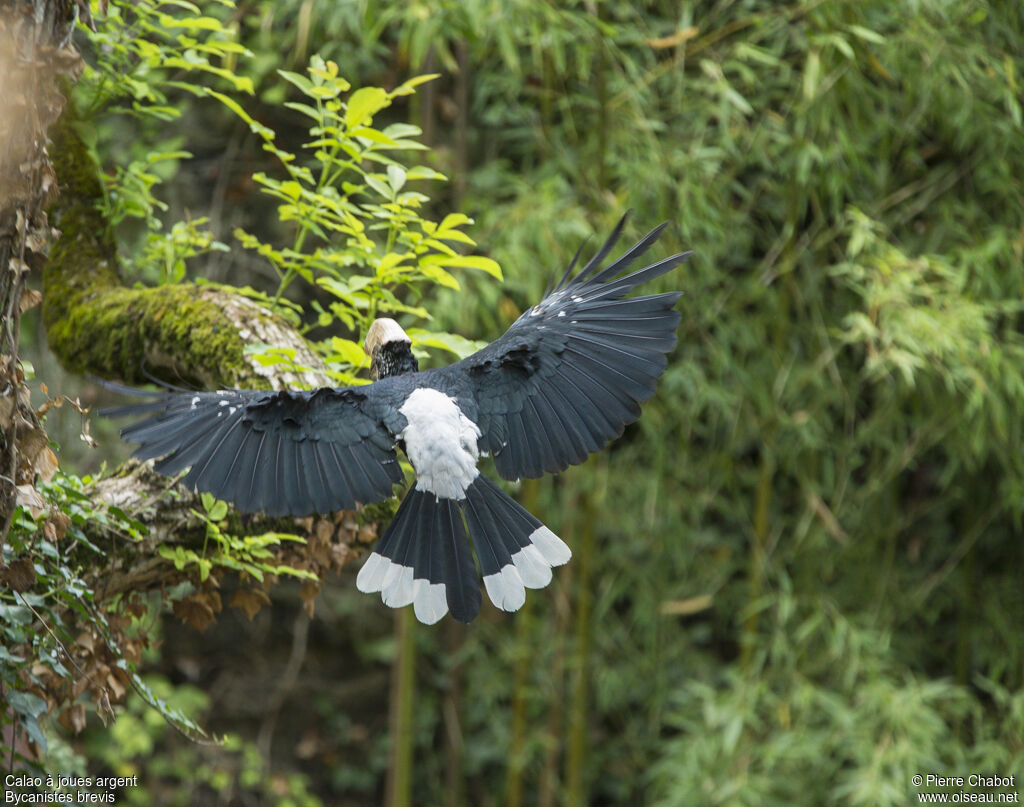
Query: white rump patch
pixel 441 443
pixel 195 401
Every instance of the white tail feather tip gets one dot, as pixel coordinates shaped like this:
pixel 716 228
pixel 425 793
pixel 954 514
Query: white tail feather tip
pixel 371 576
pixel 532 568
pixel 553 548
pixel 506 589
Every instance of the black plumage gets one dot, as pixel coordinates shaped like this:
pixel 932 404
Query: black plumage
pixel 566 378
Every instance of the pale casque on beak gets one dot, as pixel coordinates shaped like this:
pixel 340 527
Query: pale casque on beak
pixel 386 344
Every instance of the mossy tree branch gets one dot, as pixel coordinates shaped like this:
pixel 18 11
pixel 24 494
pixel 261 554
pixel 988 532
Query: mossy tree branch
pixel 183 333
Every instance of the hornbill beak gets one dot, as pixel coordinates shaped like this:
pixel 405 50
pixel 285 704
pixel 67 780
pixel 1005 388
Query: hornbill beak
pixel 382 331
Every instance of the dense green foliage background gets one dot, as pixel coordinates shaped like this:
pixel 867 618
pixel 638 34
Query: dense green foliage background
pixel 797 580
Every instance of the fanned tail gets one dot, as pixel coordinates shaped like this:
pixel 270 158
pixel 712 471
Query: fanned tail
pixel 424 558
pixel 515 550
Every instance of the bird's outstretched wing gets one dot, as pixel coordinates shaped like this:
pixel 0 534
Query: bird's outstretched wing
pixel 285 453
pixel 572 371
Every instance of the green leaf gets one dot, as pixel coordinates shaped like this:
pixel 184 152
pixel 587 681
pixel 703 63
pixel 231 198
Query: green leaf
pixel 389 262
pixel 347 351
pixel 397 131
pixel 407 87
pixel 364 103
pixel 373 135
pixel 487 265
pixel 423 172
pixel 453 220
pixel 451 342
pixel 439 275
pixel 300 81
pixel 383 189
pixel 396 177
pixel 867 34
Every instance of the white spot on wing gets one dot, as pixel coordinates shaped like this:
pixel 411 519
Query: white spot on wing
pixel 195 401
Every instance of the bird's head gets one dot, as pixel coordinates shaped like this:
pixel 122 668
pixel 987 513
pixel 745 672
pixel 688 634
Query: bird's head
pixel 389 348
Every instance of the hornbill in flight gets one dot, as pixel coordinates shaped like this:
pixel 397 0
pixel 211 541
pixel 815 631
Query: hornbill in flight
pixel 566 378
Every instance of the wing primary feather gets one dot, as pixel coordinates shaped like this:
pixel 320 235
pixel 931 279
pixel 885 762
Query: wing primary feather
pixel 629 256
pixel 228 482
pixel 239 490
pixel 334 489
pixel 554 446
pixel 612 353
pixel 205 476
pixel 576 427
pixel 314 476
pixel 363 480
pixel 346 480
pixel 202 454
pixel 605 404
pixel 625 284
pixel 618 378
pixel 595 262
pixel 255 464
pixel 568 271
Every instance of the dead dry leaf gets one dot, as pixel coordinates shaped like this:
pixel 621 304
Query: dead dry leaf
pixel 249 600
pixel 198 610
pixel 29 497
pixel 674 40
pixel 29 299
pixel 20 576
pixel 308 591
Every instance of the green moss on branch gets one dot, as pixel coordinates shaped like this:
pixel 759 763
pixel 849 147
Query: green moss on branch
pixel 180 332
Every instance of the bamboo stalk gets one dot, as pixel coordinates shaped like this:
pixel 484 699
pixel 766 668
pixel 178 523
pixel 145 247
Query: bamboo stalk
pixel 517 734
pixel 547 786
pixel 523 655
pixel 398 792
pixel 579 698
pixel 454 746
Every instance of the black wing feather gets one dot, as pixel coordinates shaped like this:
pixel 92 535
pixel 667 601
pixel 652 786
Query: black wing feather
pixel 572 371
pixel 286 453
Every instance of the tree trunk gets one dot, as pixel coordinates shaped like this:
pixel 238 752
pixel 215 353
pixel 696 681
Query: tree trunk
pixel 182 333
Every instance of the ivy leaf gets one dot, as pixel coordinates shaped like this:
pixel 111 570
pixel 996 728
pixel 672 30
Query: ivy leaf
pixel 30 707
